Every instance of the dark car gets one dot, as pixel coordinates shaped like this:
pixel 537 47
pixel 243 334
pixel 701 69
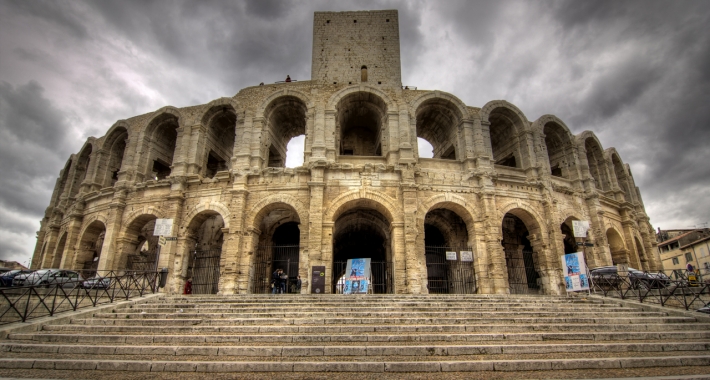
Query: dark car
pixel 609 276
pixel 7 277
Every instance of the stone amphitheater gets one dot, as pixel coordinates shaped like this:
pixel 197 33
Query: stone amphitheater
pixel 499 186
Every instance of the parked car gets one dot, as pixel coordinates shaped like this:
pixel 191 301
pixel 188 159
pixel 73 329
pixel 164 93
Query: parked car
pixel 97 283
pixel 7 277
pixel 49 277
pixel 609 276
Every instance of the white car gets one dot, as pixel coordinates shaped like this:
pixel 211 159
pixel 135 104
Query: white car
pixel 49 277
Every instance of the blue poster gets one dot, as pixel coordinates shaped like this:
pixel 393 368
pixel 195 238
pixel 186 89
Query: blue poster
pixel 357 276
pixel 575 272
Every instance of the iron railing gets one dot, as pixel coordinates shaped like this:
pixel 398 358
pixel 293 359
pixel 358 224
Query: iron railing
pixel 22 303
pixel 449 276
pixel 674 288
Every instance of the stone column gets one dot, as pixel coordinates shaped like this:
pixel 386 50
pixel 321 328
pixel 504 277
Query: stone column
pixel 314 226
pixel 114 223
pixel 404 265
pixel 469 143
pixel 391 141
pixel 90 182
pixel 173 210
pixel 178 168
pixel 76 218
pixel 407 136
pixel 327 255
pixel 195 148
pixel 413 257
pixel 256 147
pixel 318 149
pixel 331 138
pixel 44 260
pixel 497 269
pixel 234 253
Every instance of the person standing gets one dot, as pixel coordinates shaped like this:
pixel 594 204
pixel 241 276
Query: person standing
pixel 276 281
pixel 298 284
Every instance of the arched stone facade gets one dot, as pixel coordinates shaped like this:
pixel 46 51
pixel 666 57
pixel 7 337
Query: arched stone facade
pixel 498 183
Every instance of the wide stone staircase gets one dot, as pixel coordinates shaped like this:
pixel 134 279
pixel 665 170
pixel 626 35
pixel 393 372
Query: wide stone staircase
pixel 291 336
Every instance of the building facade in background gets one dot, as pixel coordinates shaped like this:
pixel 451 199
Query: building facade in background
pixel 500 189
pixel 688 247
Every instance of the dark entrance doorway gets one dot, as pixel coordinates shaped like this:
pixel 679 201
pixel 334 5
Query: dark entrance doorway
pixel 363 233
pixel 282 253
pixel 205 260
pixel 519 257
pixel 445 231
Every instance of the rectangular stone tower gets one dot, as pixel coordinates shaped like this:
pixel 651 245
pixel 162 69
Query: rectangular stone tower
pixel 355 47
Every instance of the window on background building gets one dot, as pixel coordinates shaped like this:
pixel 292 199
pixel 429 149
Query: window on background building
pixel 675 261
pixel 688 257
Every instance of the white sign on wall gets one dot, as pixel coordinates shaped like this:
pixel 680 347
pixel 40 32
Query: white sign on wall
pixel 163 227
pixel 467 256
pixel 580 228
pixel 451 256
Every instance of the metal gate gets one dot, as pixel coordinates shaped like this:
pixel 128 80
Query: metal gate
pixel 380 272
pixel 205 271
pixel 272 257
pixel 522 276
pixel 449 276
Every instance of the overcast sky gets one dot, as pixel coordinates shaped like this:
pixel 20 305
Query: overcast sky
pixel 637 73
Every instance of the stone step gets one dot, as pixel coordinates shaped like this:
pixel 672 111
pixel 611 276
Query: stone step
pixel 119 314
pixel 193 319
pixel 345 301
pixel 355 329
pixel 361 337
pixel 366 350
pixel 353 366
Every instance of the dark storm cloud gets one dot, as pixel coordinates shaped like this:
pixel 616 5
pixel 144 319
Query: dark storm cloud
pixel 32 147
pixel 59 13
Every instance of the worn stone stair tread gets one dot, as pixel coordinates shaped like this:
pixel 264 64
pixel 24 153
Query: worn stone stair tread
pixel 382 350
pixel 345 366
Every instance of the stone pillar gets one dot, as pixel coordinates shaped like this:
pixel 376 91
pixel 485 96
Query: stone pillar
pixel 195 148
pixel 178 168
pixel 326 250
pixel 310 134
pixel 404 264
pixel 314 226
pixel 331 138
pixel 109 253
pixel 497 270
pixel 256 147
pixel 318 149
pixel 173 210
pixel 236 251
pixel 91 182
pixel 407 136
pixel 73 230
pixel 414 259
pixel 44 260
pixel 391 141
pixel 228 262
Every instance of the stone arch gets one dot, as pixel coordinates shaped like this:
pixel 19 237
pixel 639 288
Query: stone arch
pixel 82 165
pixel 438 117
pixel 114 148
pixel 526 213
pixel 261 109
pixel 453 202
pixel 528 261
pixel 361 121
pixel 58 251
pixel 506 126
pixel 266 205
pixel 217 207
pixel 269 220
pixel 61 191
pixel 91 241
pixel 132 238
pixel 619 172
pixel 339 95
pixel 617 246
pixel 216 147
pixel 202 258
pixel 455 101
pixel 158 142
pixel 213 107
pixel 596 164
pixel 285 117
pixel 643 259
pixel 158 115
pixel 369 199
pixel 558 144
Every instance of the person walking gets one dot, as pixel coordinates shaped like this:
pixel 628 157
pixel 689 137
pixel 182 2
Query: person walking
pixel 276 281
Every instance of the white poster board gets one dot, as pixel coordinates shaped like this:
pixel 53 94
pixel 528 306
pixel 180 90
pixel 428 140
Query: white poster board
pixel 580 228
pixel 163 227
pixel 575 272
pixel 466 256
pixel 451 256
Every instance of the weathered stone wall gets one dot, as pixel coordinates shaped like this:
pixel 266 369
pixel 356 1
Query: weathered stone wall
pixel 109 187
